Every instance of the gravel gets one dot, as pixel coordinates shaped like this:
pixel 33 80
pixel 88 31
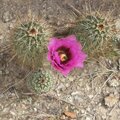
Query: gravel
pixel 85 92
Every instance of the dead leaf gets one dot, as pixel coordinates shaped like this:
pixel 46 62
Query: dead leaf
pixel 70 114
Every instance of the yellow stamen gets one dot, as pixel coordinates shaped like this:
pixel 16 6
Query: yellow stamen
pixel 63 57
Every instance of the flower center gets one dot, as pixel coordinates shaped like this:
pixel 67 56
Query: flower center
pixel 63 55
pixel 101 27
pixel 41 81
pixel 32 32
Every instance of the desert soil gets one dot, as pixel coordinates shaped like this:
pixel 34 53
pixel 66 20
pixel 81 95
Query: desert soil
pixel 92 93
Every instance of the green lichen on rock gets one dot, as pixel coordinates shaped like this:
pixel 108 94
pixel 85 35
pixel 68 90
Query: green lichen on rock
pixel 29 41
pixel 40 81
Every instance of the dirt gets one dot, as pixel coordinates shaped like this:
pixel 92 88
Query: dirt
pixel 92 93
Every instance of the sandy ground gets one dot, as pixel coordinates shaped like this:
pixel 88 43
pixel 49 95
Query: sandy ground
pixel 92 93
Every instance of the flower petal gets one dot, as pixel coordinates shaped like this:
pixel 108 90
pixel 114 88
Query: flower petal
pixel 77 56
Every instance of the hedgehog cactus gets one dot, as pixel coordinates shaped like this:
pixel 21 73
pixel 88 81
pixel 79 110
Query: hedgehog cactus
pixel 96 27
pixel 29 42
pixel 95 33
pixel 40 81
pixel 92 30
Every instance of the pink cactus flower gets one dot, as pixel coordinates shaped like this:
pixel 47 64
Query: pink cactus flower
pixel 66 54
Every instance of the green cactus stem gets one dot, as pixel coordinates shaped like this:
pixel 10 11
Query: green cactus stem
pixel 30 42
pixel 40 81
pixel 95 32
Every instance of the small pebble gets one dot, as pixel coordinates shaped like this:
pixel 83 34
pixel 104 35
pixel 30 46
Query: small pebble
pixel 1 72
pixel 1 37
pixel 63 117
pixel 88 109
pixel 88 118
pixel 75 93
pixel 114 82
pixel 90 96
pixel 82 111
pixel 117 24
pixel 7 16
pixel 11 26
pixel 6 72
pixel 71 78
pixel 111 100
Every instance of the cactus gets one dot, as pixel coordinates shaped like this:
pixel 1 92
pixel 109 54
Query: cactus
pixel 95 32
pixel 40 81
pixel 29 41
pixel 96 27
pixel 92 28
pixel 116 37
pixel 116 44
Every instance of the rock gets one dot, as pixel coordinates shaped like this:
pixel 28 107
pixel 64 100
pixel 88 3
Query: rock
pixel 61 85
pixel 1 72
pixel 90 96
pixel 88 109
pixel 68 98
pixel 11 26
pixel 7 16
pixel 82 111
pixel 102 111
pixel 1 37
pixel 10 118
pixel 1 107
pixel 78 99
pixel 7 72
pixel 98 117
pixel 114 82
pixel 88 118
pixel 117 24
pixel 111 100
pixel 35 109
pixel 12 112
pixel 75 93
pixel 63 117
pixel 71 78
pixel 67 85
